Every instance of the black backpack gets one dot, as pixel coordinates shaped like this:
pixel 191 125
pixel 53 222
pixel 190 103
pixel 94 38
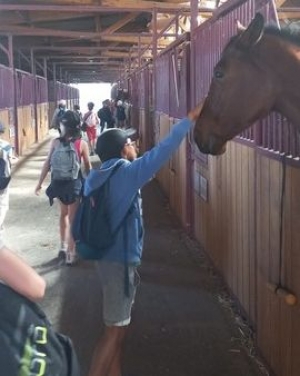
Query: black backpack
pixel 29 346
pixel 4 167
pixel 91 227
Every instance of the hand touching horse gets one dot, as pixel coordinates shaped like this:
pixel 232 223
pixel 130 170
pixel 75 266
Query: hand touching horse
pixel 259 72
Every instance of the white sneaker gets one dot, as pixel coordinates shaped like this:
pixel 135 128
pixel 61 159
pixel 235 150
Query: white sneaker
pixel 71 258
pixel 62 254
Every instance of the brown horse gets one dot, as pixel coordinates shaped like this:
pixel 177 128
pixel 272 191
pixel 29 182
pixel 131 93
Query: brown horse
pixel 259 72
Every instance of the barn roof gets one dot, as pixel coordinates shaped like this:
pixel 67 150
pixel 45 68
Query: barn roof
pixel 96 40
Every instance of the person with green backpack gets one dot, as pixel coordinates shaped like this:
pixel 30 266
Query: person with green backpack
pixel 29 345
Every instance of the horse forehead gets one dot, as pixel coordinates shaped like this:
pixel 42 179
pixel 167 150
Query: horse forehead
pixel 234 61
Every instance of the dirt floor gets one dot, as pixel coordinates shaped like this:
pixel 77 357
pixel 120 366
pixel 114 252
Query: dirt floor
pixel 180 325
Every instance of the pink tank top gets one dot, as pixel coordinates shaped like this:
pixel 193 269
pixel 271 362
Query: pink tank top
pixel 77 145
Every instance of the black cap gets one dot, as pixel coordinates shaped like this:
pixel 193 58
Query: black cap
pixel 111 142
pixel 70 119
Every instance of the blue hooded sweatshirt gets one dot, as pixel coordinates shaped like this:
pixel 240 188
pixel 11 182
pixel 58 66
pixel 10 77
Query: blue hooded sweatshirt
pixel 124 191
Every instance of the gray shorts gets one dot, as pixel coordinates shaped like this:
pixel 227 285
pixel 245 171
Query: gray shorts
pixel 116 305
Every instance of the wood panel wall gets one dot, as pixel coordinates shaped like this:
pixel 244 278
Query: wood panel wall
pixel 43 120
pixel 26 127
pixel 6 120
pixel 225 225
pixel 239 227
pixel 278 325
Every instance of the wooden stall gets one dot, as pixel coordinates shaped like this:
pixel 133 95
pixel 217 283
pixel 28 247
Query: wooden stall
pixel 172 99
pixel 25 89
pixel 242 206
pixel 24 106
pixel 246 212
pixel 7 114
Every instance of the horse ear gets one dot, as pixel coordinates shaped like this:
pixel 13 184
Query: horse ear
pixel 240 27
pixel 253 33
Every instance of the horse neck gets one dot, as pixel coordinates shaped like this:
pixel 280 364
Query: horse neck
pixel 285 62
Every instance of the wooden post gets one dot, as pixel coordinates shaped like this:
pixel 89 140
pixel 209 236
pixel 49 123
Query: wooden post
pixel 14 89
pixel 35 85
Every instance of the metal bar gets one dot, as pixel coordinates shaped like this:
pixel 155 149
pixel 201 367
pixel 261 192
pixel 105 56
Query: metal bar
pixel 139 57
pixel 10 52
pixel 154 55
pixel 161 33
pixel 54 83
pixel 45 65
pixel 177 25
pixel 194 14
pixel 33 72
pixel 129 66
pixel 175 77
pixel 25 57
pixel 4 49
pixel 29 59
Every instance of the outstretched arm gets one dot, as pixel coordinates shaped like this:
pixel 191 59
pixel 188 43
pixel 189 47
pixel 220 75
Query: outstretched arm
pixel 142 169
pixel 18 275
pixel 45 169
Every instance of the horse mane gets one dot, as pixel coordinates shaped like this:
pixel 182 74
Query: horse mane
pixel 285 33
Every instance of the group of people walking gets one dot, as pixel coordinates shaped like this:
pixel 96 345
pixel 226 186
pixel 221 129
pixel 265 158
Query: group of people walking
pixel 111 114
pixel 127 174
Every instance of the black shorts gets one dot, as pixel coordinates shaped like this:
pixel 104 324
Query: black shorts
pixel 67 191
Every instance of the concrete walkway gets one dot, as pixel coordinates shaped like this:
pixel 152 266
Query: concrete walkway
pixel 179 327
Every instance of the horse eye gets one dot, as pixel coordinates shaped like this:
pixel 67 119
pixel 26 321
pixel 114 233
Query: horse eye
pixel 218 74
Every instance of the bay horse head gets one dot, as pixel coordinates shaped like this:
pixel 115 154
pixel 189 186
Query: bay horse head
pixel 248 82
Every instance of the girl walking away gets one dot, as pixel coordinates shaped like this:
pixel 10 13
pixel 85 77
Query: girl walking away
pixel 64 161
pixel 90 122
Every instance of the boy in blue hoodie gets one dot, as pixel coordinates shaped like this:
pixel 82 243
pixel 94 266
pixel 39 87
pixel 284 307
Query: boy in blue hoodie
pixel 114 146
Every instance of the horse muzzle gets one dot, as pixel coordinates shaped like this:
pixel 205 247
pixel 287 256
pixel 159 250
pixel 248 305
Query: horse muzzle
pixel 213 145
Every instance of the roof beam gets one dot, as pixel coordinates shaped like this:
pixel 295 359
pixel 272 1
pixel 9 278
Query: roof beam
pixel 87 63
pixel 289 16
pixel 78 49
pixel 11 19
pixel 116 26
pixel 279 3
pixel 105 54
pixel 289 10
pixel 35 31
pixel 107 6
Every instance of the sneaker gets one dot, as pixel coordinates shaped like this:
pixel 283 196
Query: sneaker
pixel 71 258
pixel 62 254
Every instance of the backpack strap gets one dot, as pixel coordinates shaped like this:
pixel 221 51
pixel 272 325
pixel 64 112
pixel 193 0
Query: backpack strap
pixel 77 145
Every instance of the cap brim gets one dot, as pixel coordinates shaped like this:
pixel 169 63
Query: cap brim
pixel 130 132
